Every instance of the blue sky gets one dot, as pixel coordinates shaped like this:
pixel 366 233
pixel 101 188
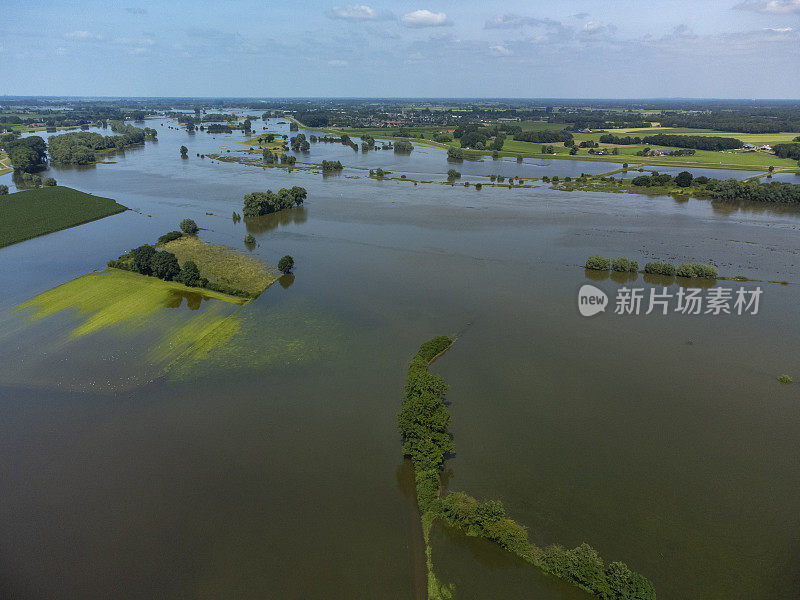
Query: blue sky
pixel 569 48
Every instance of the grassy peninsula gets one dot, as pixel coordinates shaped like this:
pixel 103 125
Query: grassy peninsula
pixel 31 213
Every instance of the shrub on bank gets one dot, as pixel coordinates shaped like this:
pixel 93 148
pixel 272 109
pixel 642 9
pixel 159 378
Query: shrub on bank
pixel 659 268
pixel 169 236
pixel 624 265
pixel 189 226
pixel 598 263
pixel 697 270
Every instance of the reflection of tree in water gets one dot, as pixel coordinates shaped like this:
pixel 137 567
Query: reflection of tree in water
pixel 193 299
pixel 623 276
pixel 286 280
pixel 596 274
pixel 282 218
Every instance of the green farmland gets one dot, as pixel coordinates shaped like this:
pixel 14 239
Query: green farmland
pixel 29 214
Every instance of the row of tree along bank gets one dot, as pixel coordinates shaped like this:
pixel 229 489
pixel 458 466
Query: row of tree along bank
pixel 423 422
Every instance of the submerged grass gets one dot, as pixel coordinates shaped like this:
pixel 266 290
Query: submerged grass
pixel 31 213
pixel 110 298
pixel 224 265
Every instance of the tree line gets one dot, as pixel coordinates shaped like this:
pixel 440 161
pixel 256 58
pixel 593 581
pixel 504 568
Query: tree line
pixel 264 203
pixel 423 421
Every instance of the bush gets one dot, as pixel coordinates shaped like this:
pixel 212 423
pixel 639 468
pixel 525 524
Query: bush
pixel 3 190
pixel 697 270
pixel 455 153
pixel 453 174
pixel 702 180
pixel 250 239
pixel 659 268
pixel 168 237
pixel 624 265
pixel 142 258
pixel 684 179
pixel 48 181
pixel 189 274
pixel 164 265
pixel 785 379
pixel 189 226
pixel 286 264
pixel 598 263
pixel 642 181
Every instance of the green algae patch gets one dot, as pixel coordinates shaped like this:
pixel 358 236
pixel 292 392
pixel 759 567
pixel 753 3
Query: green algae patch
pixel 115 297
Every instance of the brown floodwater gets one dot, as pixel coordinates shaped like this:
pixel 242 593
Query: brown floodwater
pixel 272 467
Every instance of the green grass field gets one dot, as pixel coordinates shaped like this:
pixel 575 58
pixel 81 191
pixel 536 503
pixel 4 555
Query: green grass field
pixel 29 214
pixel 224 265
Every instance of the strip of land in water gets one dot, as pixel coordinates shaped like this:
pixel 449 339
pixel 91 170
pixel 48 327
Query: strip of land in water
pixel 32 213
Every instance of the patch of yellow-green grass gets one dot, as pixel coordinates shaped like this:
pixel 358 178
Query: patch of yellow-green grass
pixel 224 265
pixel 194 339
pixel 112 297
pixel 276 146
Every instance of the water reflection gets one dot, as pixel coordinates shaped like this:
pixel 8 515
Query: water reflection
pixel 596 275
pixel 266 223
pixel 623 277
pixel 193 299
pixel 662 280
pixel 286 280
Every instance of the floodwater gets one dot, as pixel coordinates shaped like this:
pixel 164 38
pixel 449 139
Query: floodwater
pixel 272 468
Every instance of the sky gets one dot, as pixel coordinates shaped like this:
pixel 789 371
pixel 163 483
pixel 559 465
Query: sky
pixel 426 48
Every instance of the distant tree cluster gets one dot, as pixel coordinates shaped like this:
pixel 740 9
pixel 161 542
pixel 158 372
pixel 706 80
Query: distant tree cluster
pixel 80 147
pixel 219 128
pixel 403 146
pixel 788 150
pixel 299 143
pixel 698 142
pixel 27 154
pixel 545 137
pixel 263 203
pixel 329 166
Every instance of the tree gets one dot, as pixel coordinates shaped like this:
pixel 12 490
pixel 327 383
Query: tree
pixel 164 265
pixel 189 274
pixel 286 264
pixel 250 240
pixel 142 258
pixel 184 152
pixel 189 226
pixel 684 179
pixel 48 181
pixel 3 190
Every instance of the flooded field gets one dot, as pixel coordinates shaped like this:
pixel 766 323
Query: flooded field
pixel 269 465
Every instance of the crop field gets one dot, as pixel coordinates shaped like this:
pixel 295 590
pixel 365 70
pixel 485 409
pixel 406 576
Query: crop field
pixel 31 213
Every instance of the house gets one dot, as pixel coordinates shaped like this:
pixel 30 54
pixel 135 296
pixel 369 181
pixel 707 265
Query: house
pixel 748 147
pixel 766 148
pixel 586 130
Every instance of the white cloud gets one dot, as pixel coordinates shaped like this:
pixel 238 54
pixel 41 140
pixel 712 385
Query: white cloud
pixel 424 18
pixel 499 50
pixel 81 35
pixel 337 63
pixel 356 12
pixel 780 29
pixel 780 7
pixel 518 21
